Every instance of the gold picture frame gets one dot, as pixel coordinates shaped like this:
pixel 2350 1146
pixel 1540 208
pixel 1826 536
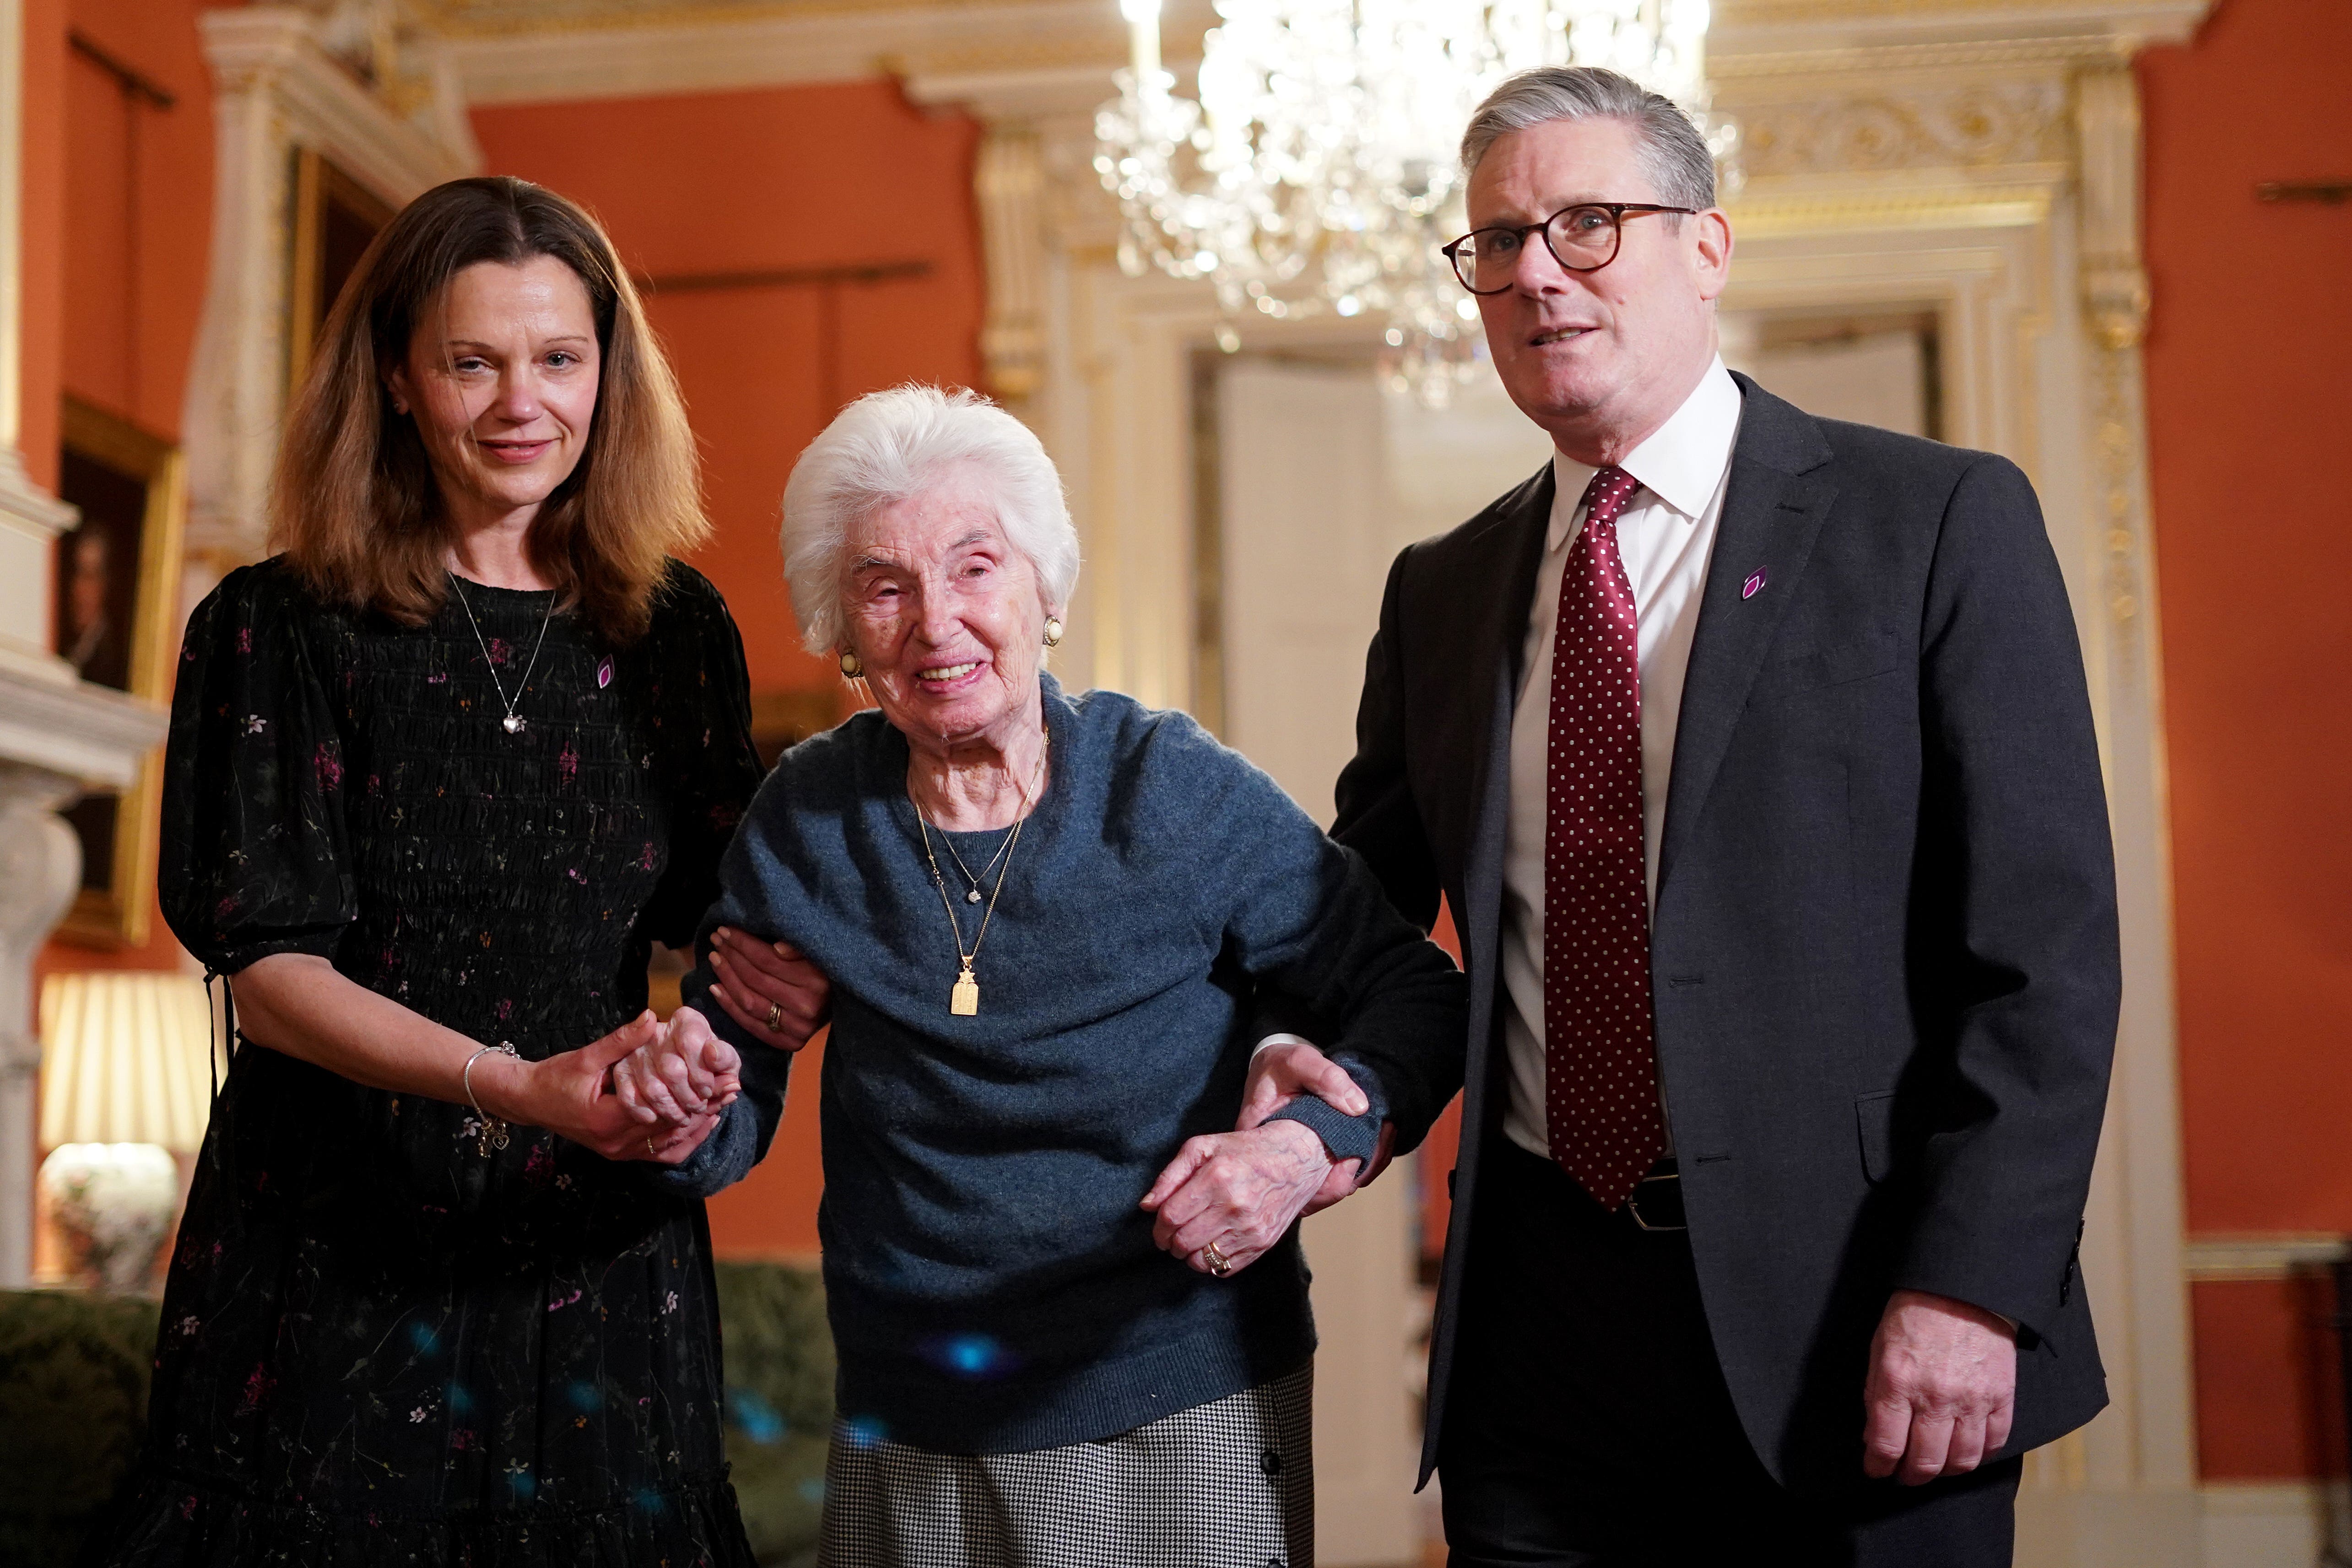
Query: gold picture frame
pixel 118 581
pixel 335 217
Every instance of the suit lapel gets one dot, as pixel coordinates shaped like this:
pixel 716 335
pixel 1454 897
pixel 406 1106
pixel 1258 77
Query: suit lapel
pixel 1772 512
pixel 1501 585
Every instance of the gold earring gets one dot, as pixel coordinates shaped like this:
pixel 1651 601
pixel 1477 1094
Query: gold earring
pixel 852 667
pixel 1052 632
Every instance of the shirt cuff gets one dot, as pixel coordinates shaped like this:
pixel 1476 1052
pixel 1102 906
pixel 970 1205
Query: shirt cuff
pixel 1282 1040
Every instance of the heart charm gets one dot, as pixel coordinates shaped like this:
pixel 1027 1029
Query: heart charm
pixel 512 724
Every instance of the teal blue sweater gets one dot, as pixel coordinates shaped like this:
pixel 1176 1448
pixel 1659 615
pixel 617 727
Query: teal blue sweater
pixel 993 1286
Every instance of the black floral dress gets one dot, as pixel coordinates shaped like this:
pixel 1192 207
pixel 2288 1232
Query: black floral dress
pixel 380 1344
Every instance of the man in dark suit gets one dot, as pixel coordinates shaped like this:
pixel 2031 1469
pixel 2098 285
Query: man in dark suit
pixel 1753 756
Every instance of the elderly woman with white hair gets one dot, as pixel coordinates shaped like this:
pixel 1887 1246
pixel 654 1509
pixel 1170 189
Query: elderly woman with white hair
pixel 1069 1305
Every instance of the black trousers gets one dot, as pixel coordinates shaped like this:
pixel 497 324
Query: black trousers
pixel 1588 1424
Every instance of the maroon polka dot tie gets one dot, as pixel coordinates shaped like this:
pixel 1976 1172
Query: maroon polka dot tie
pixel 1601 1072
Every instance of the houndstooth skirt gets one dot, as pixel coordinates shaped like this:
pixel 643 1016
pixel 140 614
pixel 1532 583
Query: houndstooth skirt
pixel 1230 1484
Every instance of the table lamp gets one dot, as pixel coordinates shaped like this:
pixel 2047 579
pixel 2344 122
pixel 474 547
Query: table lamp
pixel 126 1083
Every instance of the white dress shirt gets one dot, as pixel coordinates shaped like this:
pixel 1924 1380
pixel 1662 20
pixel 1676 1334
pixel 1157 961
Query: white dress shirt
pixel 1664 538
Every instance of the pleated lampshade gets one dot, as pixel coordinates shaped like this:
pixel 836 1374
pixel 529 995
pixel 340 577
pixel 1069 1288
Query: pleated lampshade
pixel 125 1058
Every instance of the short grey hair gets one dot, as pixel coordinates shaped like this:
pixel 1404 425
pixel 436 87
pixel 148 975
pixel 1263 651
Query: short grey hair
pixel 1674 155
pixel 888 446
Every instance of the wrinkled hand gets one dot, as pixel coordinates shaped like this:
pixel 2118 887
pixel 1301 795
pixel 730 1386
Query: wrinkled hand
pixel 684 1073
pixel 756 977
pixel 1240 1191
pixel 571 1094
pixel 1279 1074
pixel 1942 1389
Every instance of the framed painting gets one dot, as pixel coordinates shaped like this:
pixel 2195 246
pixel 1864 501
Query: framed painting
pixel 335 220
pixel 117 577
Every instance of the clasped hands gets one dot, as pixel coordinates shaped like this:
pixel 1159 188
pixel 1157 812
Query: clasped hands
pixel 652 1090
pixel 1942 1386
pixel 1238 1191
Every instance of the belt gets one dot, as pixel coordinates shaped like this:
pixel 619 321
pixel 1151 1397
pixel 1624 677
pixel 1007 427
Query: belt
pixel 1656 1202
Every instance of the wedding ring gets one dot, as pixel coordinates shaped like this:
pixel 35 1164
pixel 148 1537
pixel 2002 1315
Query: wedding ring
pixel 775 1018
pixel 1219 1264
pixel 652 1153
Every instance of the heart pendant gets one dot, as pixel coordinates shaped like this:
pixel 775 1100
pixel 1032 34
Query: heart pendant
pixel 513 724
pixel 972 897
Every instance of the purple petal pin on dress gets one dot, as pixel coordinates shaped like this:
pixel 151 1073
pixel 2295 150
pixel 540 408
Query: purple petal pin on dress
pixel 605 673
pixel 1754 585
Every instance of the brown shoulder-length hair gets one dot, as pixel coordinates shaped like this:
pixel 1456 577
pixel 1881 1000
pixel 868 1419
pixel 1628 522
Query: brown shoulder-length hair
pixel 355 507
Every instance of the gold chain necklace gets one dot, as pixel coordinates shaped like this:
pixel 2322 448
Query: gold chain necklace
pixel 963 997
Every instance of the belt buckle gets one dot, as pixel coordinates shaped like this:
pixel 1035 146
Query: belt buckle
pixel 1634 1201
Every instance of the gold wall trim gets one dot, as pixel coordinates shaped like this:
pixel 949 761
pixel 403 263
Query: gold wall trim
pixel 1763 213
pixel 2262 1255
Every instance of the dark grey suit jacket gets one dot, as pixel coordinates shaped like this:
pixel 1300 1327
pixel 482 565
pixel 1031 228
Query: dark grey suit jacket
pixel 1883 957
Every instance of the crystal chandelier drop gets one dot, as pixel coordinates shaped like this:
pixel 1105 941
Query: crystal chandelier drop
pixel 1315 170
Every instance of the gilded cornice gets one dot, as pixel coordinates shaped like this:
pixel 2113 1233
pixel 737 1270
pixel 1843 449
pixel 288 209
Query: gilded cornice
pixel 507 18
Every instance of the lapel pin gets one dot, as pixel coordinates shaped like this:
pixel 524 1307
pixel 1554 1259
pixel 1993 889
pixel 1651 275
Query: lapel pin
pixel 1754 585
pixel 604 671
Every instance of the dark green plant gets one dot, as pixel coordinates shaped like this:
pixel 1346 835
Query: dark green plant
pixel 73 1406
pixel 779 1359
pixel 73 1402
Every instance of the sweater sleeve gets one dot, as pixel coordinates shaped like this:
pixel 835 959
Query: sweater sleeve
pixel 745 1131
pixel 1304 914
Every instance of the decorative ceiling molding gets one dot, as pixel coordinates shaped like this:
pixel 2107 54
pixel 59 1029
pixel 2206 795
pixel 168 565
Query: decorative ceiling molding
pixel 1084 40
pixel 1036 56
pixel 274 50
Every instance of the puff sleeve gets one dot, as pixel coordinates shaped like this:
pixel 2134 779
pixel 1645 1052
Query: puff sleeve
pixel 702 718
pixel 254 859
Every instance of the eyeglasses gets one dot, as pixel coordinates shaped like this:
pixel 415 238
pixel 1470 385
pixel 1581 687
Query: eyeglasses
pixel 1581 238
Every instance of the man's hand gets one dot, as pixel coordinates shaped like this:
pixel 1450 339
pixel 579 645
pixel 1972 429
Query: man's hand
pixel 1237 1190
pixel 777 995
pixel 1280 1073
pixel 1942 1389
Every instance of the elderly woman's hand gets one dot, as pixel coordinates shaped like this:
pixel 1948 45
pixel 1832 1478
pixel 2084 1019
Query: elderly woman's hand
pixel 777 995
pixel 684 1074
pixel 1228 1197
pixel 573 1095
pixel 1285 1068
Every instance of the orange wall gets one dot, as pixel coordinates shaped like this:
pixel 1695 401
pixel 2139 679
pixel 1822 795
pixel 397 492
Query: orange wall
pixel 118 226
pixel 746 182
pixel 41 321
pixel 138 210
pixel 2247 409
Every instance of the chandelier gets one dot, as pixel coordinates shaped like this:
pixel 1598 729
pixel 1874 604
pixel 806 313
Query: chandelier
pixel 1316 169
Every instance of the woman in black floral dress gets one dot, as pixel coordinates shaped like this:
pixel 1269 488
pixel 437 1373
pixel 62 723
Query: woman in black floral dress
pixel 438 775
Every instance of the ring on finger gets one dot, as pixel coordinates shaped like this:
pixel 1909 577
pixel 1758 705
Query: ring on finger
pixel 1219 1264
pixel 775 1017
pixel 652 1153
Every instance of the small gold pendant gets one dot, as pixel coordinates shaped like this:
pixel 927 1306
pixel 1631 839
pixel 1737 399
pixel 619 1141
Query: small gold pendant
pixel 964 1000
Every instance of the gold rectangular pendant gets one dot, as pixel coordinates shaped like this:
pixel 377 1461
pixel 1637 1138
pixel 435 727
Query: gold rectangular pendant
pixel 964 1000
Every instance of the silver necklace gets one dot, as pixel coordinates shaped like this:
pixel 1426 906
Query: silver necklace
pixel 513 724
pixel 1003 844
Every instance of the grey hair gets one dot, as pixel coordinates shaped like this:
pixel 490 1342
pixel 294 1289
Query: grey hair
pixel 890 446
pixel 1674 155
